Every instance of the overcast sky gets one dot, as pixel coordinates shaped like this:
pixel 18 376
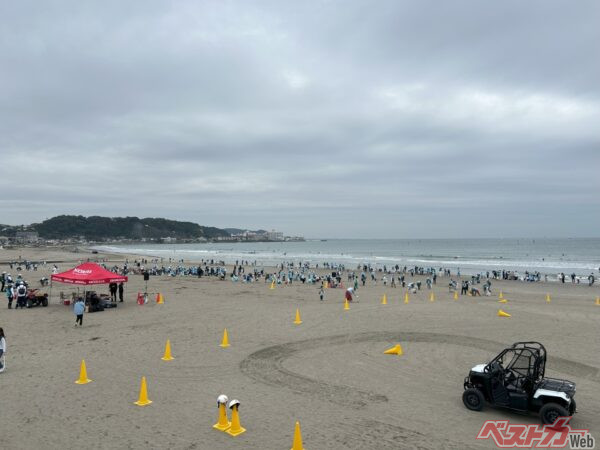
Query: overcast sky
pixel 321 118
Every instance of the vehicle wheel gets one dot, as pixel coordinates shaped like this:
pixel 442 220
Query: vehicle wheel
pixel 552 411
pixel 28 304
pixel 572 407
pixel 473 399
pixel 45 301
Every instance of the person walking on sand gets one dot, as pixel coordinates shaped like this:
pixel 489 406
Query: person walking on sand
pixel 121 292
pixel 2 349
pixel 321 293
pixel 79 309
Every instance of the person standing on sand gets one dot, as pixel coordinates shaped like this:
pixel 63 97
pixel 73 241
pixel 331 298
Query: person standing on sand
pixel 10 295
pixel 121 292
pixel 321 293
pixel 2 348
pixel 79 309
pixel 21 293
pixel 112 287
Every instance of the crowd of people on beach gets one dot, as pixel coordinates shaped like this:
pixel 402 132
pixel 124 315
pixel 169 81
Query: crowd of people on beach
pixel 324 275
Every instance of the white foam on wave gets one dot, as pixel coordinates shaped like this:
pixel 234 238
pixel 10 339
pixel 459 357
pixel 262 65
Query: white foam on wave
pixel 273 257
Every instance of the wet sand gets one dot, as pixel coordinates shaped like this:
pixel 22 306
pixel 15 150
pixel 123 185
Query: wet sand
pixel 329 373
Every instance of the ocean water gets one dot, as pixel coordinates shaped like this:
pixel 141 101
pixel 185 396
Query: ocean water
pixel 550 256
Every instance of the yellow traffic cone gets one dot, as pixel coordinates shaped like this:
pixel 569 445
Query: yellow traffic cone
pixel 598 301
pixel 432 297
pixel 503 314
pixel 222 424
pixel 406 298
pixel 297 321
pixel 547 298
pixel 455 295
pixel 395 350
pixel 326 285
pixel 384 300
pixel 225 341
pixel 160 299
pixel 143 399
pixel 346 305
pixel 500 295
pixel 83 379
pixel 235 428
pixel 272 285
pixel 503 301
pixel 297 443
pixel 167 356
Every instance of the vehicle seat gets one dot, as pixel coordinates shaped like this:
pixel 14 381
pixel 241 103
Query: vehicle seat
pixel 514 383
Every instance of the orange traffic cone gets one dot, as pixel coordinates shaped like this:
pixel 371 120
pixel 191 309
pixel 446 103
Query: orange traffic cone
pixel 143 398
pixel 222 424
pixel 225 341
pixel 235 428
pixel 297 321
pixel 395 350
pixel 503 314
pixel 297 443
pixel 83 379
pixel 167 356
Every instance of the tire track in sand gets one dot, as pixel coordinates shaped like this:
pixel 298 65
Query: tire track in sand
pixel 266 365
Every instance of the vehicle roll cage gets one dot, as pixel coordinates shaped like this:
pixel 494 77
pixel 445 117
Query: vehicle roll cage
pixel 533 351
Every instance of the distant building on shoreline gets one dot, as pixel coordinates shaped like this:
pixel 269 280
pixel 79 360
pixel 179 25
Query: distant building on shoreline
pixel 259 236
pixel 26 237
pixel 274 235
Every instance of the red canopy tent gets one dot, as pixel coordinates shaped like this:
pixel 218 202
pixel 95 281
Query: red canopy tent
pixel 88 273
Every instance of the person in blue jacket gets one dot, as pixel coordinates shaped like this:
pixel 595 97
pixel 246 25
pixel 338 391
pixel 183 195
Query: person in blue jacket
pixel 79 309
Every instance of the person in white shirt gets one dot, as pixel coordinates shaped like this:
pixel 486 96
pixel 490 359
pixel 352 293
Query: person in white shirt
pixel 2 349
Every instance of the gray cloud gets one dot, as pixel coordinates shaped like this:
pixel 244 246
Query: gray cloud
pixel 323 118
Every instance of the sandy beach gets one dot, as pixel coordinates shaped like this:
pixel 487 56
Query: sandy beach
pixel 329 373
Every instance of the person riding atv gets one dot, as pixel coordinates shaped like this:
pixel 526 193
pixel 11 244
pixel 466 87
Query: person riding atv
pixel 515 380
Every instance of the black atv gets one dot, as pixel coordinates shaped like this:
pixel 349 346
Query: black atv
pixel 515 380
